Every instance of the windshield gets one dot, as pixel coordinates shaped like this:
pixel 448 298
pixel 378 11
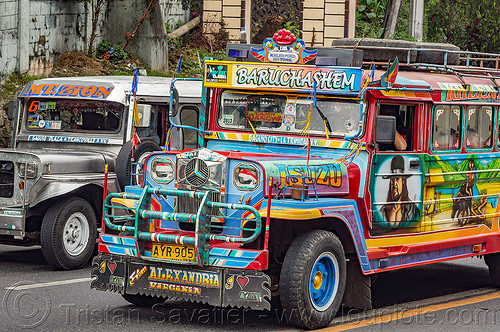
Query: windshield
pixel 73 115
pixel 288 114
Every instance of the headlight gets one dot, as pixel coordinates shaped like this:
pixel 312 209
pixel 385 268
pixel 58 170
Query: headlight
pixel 28 169
pixel 246 177
pixel 162 170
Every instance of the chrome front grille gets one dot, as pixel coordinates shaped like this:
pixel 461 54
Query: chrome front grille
pixel 6 179
pixel 191 205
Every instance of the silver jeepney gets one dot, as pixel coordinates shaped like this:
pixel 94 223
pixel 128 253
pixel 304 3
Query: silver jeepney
pixel 65 131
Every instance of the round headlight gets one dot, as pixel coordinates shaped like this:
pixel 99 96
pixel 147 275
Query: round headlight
pixel 162 170
pixel 246 177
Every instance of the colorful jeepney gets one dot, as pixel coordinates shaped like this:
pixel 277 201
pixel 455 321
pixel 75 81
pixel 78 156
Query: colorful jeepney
pixel 308 179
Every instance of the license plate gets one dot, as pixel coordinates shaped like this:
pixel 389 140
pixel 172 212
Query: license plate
pixel 174 252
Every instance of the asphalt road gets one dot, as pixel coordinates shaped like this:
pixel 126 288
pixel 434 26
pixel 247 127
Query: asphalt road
pixel 36 297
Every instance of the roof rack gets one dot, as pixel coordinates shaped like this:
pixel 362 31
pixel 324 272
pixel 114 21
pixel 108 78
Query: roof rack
pixel 425 56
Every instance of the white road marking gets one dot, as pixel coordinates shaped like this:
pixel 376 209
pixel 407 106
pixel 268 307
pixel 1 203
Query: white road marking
pixel 49 284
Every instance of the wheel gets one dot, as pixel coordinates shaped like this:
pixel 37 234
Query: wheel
pixel 384 50
pixel 68 233
pixel 312 279
pixel 493 262
pixel 124 162
pixel 143 300
pixel 140 155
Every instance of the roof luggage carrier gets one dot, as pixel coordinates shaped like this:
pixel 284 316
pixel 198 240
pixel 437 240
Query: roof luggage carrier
pixel 425 56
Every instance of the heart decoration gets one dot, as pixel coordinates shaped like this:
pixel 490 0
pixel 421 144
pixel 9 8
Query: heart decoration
pixel 242 281
pixel 112 266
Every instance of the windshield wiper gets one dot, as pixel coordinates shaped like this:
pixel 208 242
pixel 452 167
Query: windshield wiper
pixel 244 114
pixel 325 120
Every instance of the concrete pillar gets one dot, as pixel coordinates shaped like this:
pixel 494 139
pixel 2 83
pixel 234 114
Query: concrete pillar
pixel 23 30
pixel 351 32
pixel 416 19
pixel 248 19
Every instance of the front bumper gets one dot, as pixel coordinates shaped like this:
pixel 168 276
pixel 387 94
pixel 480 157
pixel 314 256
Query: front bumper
pixel 214 286
pixel 12 221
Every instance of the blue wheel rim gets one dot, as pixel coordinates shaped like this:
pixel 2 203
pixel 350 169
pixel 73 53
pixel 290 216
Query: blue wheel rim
pixel 323 281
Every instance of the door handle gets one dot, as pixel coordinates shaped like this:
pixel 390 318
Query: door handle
pixel 415 164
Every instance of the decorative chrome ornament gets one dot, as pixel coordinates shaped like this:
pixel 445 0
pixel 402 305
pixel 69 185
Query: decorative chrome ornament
pixel 197 172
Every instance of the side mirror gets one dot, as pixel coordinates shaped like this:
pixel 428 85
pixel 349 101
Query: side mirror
pixel 11 110
pixel 144 111
pixel 175 103
pixel 385 130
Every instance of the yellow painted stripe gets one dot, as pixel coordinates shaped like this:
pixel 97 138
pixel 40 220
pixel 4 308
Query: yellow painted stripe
pixel 327 143
pixel 292 214
pixel 130 203
pixel 410 313
pixel 419 238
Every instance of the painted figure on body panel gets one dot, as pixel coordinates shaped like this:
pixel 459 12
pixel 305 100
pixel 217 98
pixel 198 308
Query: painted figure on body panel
pixel 399 209
pixel 462 202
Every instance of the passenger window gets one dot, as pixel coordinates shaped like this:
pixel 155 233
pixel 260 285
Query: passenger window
pixel 404 115
pixel 479 127
pixel 189 117
pixel 447 128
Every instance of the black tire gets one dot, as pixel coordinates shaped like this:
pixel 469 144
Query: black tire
pixel 143 300
pixel 306 252
pixel 68 234
pixel 122 167
pixel 143 151
pixel 493 262
pixel 124 161
pixel 387 49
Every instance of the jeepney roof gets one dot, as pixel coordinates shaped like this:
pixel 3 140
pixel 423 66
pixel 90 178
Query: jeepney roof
pixel 436 81
pixel 438 87
pixel 150 88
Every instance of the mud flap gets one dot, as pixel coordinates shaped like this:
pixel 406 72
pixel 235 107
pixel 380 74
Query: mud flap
pixel 175 282
pixel 249 289
pixel 108 273
pixel 218 287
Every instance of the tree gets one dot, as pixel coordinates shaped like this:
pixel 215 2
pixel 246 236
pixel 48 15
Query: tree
pixel 471 25
pixel 391 17
pixel 95 10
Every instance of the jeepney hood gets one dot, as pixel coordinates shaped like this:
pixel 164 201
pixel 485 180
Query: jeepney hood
pixel 331 176
pixel 333 171
pixel 62 161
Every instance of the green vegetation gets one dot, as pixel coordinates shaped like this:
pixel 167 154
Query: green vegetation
pixel 293 27
pixel 194 47
pixel 471 25
pixel 14 83
pixel 370 18
pixel 111 52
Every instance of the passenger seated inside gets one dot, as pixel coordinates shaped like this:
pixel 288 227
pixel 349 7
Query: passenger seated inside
pixel 402 132
pixel 92 120
pixel 472 139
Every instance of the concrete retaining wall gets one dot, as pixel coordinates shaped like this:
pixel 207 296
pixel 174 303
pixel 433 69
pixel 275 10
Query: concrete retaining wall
pixel 34 33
